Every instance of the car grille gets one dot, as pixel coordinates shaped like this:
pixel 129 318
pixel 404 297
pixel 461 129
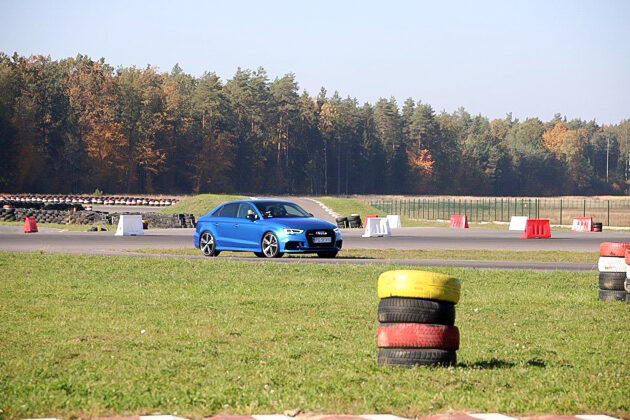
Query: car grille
pixel 320 233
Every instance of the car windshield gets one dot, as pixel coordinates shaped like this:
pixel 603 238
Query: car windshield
pixel 277 209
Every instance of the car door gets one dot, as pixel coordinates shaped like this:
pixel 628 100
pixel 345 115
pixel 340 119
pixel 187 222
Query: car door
pixel 247 232
pixel 225 228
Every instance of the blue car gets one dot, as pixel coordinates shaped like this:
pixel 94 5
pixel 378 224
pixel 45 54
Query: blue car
pixel 268 228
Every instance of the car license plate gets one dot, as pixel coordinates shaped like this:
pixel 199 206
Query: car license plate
pixel 324 240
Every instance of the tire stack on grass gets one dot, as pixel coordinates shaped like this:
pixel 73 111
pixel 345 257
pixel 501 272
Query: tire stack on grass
pixel 342 222
pixel 626 282
pixel 612 270
pixel 417 315
pixel 354 221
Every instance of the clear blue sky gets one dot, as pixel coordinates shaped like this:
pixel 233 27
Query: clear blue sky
pixel 531 58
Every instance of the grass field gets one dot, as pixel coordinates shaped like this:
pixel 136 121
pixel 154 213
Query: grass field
pixel 85 336
pixel 417 254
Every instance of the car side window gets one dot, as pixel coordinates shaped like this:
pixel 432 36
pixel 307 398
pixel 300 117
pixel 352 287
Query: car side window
pixel 229 210
pixel 244 209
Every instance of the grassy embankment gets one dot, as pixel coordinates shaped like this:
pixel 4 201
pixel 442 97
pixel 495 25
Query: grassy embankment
pixel 347 206
pixel 200 204
pixel 86 336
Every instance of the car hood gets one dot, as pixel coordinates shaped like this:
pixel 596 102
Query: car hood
pixel 301 223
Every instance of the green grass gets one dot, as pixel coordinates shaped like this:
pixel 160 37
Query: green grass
pixel 347 206
pixel 200 204
pixel 85 336
pixel 69 227
pixel 417 254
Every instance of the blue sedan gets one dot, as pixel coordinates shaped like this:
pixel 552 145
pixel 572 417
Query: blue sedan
pixel 268 228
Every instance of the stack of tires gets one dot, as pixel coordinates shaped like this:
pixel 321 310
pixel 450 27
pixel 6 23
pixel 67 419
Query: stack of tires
pixel 416 317
pixel 612 270
pixel 342 222
pixel 354 221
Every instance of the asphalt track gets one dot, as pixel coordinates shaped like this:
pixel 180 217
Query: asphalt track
pixel 105 243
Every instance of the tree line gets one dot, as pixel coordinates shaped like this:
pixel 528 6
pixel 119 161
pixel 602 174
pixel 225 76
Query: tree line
pixel 77 124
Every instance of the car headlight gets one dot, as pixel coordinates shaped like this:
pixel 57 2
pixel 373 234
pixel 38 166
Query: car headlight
pixel 290 231
pixel 337 231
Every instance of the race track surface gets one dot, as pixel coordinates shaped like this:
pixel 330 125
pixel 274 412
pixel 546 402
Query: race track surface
pixel 105 243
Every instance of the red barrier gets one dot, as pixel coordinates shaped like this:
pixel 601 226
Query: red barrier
pixel 537 229
pixel 582 224
pixel 370 216
pixel 459 221
pixel 30 225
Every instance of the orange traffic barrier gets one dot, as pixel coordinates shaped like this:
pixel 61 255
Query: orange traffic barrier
pixel 537 229
pixel 459 221
pixel 30 225
pixel 582 224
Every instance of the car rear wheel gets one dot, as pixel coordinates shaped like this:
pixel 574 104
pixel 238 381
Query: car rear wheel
pixel 327 254
pixel 208 245
pixel 270 246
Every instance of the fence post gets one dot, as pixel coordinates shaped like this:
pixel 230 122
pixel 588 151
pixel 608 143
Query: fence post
pixel 584 214
pixel 561 211
pixel 608 217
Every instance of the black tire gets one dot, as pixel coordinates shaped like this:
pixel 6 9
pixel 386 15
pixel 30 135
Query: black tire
pixel 626 285
pixel 208 245
pixel 611 281
pixel 627 297
pixel 412 310
pixel 611 295
pixel 270 246
pixel 416 357
pixel 327 254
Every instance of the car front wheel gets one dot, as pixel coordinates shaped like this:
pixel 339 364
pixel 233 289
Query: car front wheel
pixel 270 246
pixel 208 245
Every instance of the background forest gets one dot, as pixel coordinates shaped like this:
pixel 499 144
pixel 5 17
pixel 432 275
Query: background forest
pixel 76 124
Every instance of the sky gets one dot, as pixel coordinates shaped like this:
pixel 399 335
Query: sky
pixel 531 58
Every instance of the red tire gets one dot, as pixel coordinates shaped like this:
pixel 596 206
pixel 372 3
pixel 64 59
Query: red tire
pixel 613 249
pixel 418 336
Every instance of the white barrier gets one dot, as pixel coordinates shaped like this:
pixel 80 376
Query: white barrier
pixel 518 223
pixel 129 225
pixel 394 221
pixel 376 226
pixel 612 265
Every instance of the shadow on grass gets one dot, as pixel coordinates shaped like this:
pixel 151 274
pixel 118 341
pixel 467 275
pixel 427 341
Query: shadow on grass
pixel 488 364
pixel 501 364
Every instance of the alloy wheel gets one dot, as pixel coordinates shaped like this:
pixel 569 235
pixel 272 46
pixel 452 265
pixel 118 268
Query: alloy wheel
pixel 270 245
pixel 206 243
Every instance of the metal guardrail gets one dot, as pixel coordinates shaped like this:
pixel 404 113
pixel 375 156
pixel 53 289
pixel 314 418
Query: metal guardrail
pixel 558 211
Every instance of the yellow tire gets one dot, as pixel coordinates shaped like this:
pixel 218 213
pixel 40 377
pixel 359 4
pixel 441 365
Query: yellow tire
pixel 419 284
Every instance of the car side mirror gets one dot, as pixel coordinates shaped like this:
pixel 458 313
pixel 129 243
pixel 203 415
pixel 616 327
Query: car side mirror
pixel 310 214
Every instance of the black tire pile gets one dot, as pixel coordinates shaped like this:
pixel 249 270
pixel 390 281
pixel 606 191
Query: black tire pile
pixel 88 217
pixel 162 221
pixel 52 216
pixel 352 221
pixel 84 199
pixel 613 272
pixel 40 205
